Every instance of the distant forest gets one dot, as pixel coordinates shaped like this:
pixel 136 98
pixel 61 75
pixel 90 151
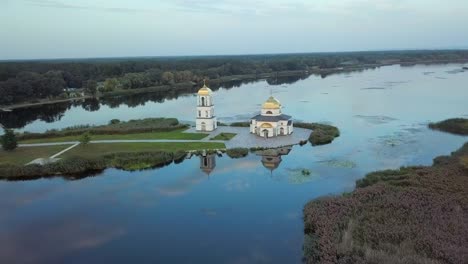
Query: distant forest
pixel 22 81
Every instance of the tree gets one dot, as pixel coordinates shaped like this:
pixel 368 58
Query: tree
pixel 91 87
pixel 110 85
pixel 9 141
pixel 85 138
pixel 167 78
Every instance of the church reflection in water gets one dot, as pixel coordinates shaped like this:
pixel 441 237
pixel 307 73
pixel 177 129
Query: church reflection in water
pixel 271 159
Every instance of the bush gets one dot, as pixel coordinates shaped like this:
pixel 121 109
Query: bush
pixel 9 141
pixel 114 121
pixel 237 152
pixel 85 138
pixel 240 124
pixel 321 134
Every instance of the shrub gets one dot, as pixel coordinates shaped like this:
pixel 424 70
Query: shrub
pixel 237 152
pixel 85 138
pixel 9 141
pixel 321 134
pixel 240 124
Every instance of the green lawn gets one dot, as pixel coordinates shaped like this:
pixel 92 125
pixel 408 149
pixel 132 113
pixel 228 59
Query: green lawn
pixel 108 148
pixel 224 136
pixel 176 134
pixel 23 155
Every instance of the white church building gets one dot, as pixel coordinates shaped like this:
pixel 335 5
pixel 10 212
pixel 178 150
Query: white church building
pixel 206 119
pixel 271 122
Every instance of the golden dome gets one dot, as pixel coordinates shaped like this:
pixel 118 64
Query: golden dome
pixel 204 90
pixel 272 103
pixel 266 125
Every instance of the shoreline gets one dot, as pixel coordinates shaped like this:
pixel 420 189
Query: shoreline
pixel 230 78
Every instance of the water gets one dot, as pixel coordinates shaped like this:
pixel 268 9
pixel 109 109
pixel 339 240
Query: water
pixel 242 212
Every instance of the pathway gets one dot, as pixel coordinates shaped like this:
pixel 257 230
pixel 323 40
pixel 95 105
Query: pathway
pixel 243 139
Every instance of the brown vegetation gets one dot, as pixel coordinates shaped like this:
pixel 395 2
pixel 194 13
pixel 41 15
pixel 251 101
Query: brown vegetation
pixel 411 215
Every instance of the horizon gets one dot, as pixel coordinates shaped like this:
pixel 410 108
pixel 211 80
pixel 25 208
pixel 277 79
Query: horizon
pixel 81 29
pixel 231 55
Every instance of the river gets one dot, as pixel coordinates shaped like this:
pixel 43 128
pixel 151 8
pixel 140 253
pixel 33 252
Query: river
pixel 246 210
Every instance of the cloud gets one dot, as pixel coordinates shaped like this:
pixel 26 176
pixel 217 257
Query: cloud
pixel 67 5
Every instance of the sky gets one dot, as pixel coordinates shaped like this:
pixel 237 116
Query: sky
pixel 38 29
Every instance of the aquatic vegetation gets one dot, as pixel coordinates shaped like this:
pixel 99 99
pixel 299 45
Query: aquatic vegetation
pixel 300 176
pixel 339 163
pixel 457 126
pixel 410 215
pixel 321 133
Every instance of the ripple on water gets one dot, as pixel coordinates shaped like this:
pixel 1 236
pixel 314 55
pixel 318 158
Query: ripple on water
pixel 376 119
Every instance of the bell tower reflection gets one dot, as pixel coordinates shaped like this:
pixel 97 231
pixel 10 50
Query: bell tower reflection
pixel 207 163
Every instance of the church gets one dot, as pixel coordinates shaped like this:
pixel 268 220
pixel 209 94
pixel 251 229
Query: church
pixel 206 119
pixel 271 122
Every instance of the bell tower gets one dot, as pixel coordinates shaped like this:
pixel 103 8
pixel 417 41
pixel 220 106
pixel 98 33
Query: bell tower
pixel 206 119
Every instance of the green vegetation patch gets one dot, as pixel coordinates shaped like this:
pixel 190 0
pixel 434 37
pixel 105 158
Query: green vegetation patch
pixel 322 134
pixel 240 124
pixel 224 136
pixel 457 126
pixel 236 153
pixel 410 215
pixel 115 127
pixel 23 155
pixel 171 135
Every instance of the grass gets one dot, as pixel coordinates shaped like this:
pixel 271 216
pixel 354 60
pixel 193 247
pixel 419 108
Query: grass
pixel 224 136
pixel 23 155
pixel 171 135
pixel 95 150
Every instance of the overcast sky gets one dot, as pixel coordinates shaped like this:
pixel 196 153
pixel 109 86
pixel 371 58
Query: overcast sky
pixel 116 28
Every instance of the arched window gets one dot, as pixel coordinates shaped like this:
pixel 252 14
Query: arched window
pixel 269 113
pixel 203 101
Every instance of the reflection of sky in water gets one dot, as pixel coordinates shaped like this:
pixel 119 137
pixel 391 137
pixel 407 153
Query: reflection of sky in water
pixel 241 212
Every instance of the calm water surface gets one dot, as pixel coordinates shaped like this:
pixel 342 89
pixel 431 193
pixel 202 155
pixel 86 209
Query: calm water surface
pixel 241 212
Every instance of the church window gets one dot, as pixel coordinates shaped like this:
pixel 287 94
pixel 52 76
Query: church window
pixel 199 113
pixel 203 101
pixel 207 115
pixel 269 113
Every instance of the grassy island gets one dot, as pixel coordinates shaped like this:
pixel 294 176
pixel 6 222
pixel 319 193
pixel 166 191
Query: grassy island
pixel 457 126
pixel 410 215
pixel 322 134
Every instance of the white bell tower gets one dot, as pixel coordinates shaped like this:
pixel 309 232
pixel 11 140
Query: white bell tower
pixel 206 119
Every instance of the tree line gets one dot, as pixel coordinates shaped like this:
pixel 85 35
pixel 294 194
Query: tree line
pixel 31 80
